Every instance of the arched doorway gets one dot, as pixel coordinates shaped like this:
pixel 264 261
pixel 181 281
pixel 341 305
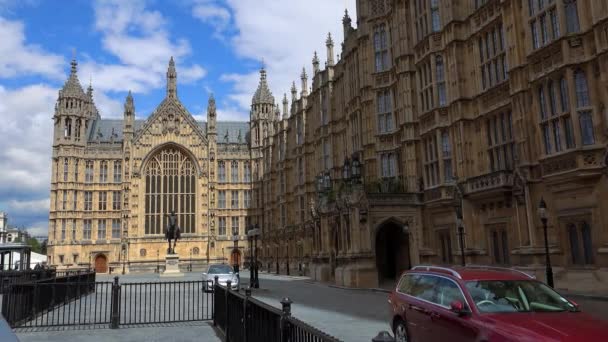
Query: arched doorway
pixel 101 264
pixel 392 252
pixel 235 257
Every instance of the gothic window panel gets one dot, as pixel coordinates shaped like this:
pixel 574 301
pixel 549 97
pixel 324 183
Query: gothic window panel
pixel 170 186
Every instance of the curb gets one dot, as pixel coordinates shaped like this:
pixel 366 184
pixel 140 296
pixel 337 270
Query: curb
pixel 349 288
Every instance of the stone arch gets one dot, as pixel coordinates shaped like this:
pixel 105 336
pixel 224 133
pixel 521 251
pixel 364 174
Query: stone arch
pixel 157 149
pixel 392 250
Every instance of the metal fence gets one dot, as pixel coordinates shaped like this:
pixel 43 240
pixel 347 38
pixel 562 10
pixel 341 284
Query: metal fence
pixel 240 317
pixel 164 302
pixel 8 278
pixel 78 300
pixel 50 302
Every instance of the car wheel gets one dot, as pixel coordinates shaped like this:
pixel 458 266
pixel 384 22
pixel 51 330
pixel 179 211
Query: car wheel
pixel 400 331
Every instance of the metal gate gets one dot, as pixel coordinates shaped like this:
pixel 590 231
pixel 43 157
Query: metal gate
pixel 105 304
pixel 164 302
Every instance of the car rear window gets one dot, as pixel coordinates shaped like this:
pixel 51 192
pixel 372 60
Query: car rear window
pixel 219 269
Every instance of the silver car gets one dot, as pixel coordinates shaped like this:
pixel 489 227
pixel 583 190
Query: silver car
pixel 224 273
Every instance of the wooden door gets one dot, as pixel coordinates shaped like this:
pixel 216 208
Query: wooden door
pixel 101 264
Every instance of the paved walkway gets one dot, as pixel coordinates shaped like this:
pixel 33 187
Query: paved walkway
pixel 347 314
pixel 200 332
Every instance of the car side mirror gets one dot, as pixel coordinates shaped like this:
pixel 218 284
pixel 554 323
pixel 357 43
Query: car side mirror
pixel 458 308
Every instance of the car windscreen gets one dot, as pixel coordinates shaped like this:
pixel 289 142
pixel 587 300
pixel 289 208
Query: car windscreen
pixel 500 296
pixel 219 269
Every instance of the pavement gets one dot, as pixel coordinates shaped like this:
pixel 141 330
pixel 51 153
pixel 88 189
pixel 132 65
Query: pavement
pixel 197 331
pixel 347 314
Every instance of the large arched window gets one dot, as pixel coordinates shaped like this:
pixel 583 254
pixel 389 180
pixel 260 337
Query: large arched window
pixel 170 185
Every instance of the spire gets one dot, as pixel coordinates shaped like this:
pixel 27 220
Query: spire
pixel 90 88
pixel 262 94
pixel 294 92
pixel 330 50
pixel 315 63
pixel 285 104
pixel 72 87
pixel 346 24
pixel 129 106
pixel 304 79
pixel 211 114
pixel 171 79
pixel 277 113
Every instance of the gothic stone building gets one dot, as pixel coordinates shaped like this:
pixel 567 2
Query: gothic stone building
pixel 435 111
pixel 114 182
pixel 437 115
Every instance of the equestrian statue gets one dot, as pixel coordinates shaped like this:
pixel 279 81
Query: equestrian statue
pixel 172 232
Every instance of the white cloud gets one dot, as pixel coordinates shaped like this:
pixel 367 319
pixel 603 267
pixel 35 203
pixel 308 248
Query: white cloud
pixel 26 141
pixel 211 12
pixel 33 206
pixel 18 58
pixel 284 37
pixel 140 39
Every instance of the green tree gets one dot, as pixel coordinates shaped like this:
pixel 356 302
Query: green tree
pixel 32 242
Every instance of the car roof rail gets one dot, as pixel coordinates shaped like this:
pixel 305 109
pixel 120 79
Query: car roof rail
pixel 498 268
pixel 437 269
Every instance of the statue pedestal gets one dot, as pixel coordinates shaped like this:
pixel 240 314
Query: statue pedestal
pixel 172 266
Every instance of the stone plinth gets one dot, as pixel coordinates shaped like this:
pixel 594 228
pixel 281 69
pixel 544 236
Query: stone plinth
pixel 172 266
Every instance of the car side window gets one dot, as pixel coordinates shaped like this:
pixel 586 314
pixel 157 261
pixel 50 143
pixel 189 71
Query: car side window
pixel 447 292
pixel 425 288
pixel 406 283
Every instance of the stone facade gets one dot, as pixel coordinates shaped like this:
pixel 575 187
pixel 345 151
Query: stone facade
pixel 114 182
pixel 477 107
pixel 434 110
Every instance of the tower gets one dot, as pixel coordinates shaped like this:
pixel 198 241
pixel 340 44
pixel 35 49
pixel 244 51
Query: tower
pixel 262 110
pixel 74 111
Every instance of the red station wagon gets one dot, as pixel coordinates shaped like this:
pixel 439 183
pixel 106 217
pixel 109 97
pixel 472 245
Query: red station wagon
pixel 480 303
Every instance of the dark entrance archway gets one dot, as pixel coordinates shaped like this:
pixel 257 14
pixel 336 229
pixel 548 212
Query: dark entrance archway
pixel 101 264
pixel 392 252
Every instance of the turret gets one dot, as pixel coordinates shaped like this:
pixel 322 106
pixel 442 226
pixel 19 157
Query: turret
pixel 211 116
pixel 294 92
pixel 285 104
pixel 329 43
pixel 171 80
pixel 129 118
pixel 346 24
pixel 73 110
pixel 315 64
pixel 304 79
pixel 262 111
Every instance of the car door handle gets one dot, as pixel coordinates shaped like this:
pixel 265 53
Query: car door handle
pixel 434 315
pixel 417 308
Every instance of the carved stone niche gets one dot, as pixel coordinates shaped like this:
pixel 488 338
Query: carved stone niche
pixel 170 124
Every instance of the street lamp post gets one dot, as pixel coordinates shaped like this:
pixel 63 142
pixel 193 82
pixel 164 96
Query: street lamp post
pixel 124 252
pixel 256 283
pixel 250 238
pixel 253 234
pixel 157 261
pixel 190 267
pixel 460 227
pixel 235 239
pixel 542 212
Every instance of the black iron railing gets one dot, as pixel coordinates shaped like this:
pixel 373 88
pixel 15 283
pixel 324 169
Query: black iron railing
pixel 164 302
pixel 240 317
pixel 8 278
pixel 55 301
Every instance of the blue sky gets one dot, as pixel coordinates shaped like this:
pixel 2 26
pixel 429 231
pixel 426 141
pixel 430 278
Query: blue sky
pixel 124 45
